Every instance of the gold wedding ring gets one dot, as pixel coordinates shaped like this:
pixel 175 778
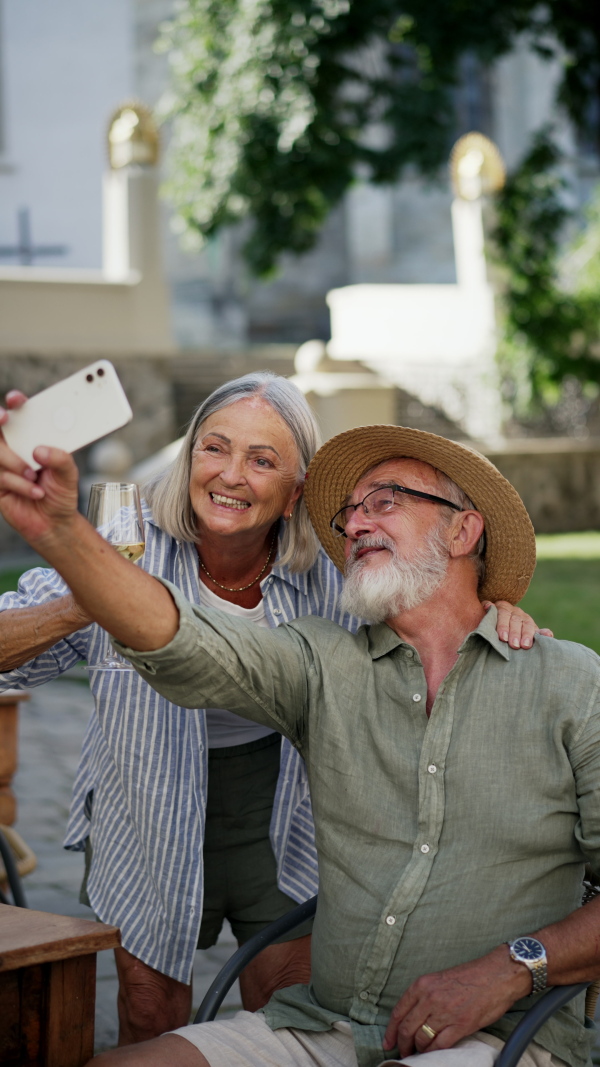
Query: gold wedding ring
pixel 428 1030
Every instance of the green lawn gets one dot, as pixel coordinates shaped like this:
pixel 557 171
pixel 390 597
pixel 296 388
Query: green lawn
pixel 564 593
pixel 9 579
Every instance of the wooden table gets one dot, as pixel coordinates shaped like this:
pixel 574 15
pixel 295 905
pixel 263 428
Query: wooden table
pixel 48 987
pixel 9 717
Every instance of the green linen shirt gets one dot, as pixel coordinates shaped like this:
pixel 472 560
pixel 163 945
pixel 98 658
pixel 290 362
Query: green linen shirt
pixel 438 838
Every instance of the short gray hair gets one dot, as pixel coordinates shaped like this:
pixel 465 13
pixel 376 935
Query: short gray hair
pixel 452 492
pixel 168 494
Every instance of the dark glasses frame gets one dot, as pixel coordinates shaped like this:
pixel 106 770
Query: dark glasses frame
pixel 397 489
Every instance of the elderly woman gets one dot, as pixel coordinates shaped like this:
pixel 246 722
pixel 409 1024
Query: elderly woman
pixel 188 819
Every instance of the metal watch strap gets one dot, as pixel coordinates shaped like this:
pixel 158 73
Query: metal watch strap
pixel 538 968
pixel 539 973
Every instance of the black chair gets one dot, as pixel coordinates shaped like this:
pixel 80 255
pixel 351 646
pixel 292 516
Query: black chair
pixel 526 1030
pixel 514 1048
pixel 12 875
pixel 251 948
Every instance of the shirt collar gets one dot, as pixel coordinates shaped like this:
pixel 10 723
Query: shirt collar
pixel 487 630
pixel 382 639
pixel 147 514
pixel 299 580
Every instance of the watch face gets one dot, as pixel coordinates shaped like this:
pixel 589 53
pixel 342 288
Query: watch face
pixel 527 948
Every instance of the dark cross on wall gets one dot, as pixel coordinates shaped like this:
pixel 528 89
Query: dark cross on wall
pixel 25 251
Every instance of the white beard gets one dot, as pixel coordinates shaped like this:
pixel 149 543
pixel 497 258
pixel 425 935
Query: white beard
pixel 396 586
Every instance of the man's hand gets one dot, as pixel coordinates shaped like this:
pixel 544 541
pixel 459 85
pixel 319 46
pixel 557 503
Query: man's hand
pixel 36 503
pixel 456 1003
pixel 514 625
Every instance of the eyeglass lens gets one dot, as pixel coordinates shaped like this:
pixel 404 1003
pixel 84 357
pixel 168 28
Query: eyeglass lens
pixel 375 503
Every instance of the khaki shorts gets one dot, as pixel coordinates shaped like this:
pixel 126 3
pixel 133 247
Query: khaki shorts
pixel 248 1041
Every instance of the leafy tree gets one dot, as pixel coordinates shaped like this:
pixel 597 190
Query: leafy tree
pixel 278 104
pixel 551 322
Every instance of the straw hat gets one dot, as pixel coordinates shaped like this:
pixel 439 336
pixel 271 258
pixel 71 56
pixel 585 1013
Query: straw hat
pixel 510 540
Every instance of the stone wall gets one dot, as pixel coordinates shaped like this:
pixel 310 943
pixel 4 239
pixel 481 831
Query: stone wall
pixel 196 374
pixel 558 478
pixel 145 379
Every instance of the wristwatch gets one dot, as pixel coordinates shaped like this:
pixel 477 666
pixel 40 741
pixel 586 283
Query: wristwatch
pixel 531 952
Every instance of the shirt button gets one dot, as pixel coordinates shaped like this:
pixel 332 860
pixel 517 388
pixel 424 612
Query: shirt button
pixel 276 611
pixel 409 653
pixel 390 919
pixel 432 768
pixel 364 995
pixel 424 848
pixel 416 697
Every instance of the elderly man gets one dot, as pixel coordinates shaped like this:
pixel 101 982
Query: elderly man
pixel 455 782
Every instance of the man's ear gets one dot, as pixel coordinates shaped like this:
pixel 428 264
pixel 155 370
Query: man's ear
pixel 466 531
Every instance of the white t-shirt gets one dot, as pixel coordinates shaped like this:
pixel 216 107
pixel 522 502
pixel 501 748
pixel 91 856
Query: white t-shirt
pixel 225 728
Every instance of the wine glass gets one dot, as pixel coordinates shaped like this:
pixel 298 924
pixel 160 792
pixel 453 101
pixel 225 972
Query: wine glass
pixel 116 512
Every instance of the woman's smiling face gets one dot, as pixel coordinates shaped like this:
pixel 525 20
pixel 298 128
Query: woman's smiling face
pixel 244 472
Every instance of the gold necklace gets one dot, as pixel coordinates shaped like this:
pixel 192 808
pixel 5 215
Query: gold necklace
pixel 242 587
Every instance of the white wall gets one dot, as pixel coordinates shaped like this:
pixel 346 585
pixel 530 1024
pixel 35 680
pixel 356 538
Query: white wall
pixel 525 102
pixel 65 65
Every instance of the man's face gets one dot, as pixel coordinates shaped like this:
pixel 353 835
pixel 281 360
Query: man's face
pixel 407 524
pixel 395 560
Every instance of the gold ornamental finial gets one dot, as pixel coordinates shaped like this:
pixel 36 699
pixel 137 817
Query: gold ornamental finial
pixel 132 136
pixel 476 167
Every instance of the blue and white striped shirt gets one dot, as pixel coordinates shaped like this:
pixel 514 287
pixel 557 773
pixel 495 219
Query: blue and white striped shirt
pixel 144 762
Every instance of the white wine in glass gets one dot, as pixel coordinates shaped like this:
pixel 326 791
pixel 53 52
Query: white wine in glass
pixel 116 512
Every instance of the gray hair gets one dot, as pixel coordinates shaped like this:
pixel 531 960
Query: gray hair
pixel 452 492
pixel 168 493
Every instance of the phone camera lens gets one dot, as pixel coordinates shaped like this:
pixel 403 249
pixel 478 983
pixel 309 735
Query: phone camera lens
pixel 100 372
pixel 89 377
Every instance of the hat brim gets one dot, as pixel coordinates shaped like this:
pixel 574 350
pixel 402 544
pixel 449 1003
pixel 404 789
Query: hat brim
pixel 510 538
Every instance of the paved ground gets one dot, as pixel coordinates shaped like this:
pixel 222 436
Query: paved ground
pixel 52 725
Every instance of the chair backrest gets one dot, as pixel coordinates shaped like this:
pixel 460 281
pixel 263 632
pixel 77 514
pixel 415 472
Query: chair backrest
pixel 251 948
pixel 525 1032
pixel 12 874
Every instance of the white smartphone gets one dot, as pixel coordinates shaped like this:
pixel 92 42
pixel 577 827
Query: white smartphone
pixel 71 414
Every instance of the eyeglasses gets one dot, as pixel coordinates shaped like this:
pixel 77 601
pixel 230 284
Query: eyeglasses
pixel 380 501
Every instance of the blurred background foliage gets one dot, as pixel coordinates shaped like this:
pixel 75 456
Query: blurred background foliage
pixel 550 295
pixel 276 106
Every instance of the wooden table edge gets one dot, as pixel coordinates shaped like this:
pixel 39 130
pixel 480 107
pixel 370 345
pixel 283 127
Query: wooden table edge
pixel 29 937
pixel 14 696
